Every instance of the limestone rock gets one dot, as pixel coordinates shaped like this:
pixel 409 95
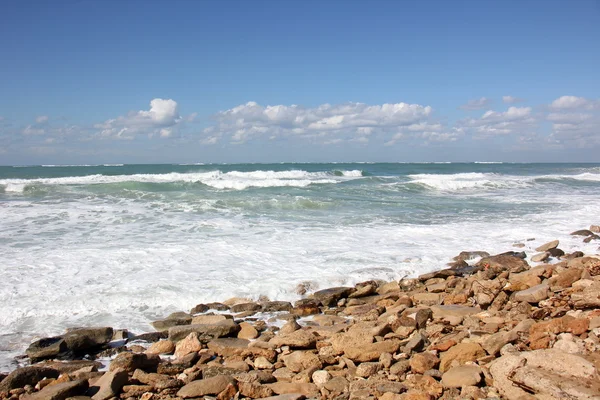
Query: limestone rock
pixel 372 351
pixel 421 362
pixel 247 331
pixel 298 361
pixel 460 354
pixel 243 307
pixel 306 389
pixel 534 294
pixel 540 257
pixel 367 369
pixel 208 319
pixel 203 387
pixel 464 375
pixel 299 339
pixel 60 391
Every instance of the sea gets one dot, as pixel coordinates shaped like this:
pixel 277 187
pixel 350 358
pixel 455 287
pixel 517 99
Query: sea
pixel 123 245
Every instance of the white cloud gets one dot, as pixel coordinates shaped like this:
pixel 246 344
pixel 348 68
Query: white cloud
pixel 356 122
pixel 476 104
pixel 570 102
pixel 515 120
pixel 42 119
pixel 162 119
pixel 511 99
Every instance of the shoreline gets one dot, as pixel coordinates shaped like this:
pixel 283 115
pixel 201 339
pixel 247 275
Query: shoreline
pixel 451 332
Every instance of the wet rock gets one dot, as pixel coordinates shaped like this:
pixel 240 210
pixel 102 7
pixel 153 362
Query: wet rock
pixel 464 375
pixel 557 253
pixel 548 246
pixel 191 344
pixel 306 307
pixel 244 307
pixel 540 257
pixel 206 332
pixel 247 331
pixel 471 255
pixel 203 387
pixel 79 340
pixel 175 319
pixel 299 339
pixel 26 376
pixel 161 347
pixel 150 337
pixel 273 306
pixel 200 308
pixel 504 262
pixel 329 297
pixel 582 232
pixel 44 348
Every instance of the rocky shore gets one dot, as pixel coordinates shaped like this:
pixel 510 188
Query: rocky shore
pixel 485 327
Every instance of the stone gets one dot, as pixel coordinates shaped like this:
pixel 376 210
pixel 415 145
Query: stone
pixel 175 319
pixel 298 361
pixel 233 347
pixel 422 316
pixel 247 331
pixel 199 308
pixel 129 362
pixel 493 343
pixel 206 332
pixel 50 347
pixel 329 297
pixel 289 327
pixel 522 281
pixel 588 298
pixel 299 339
pixel 471 255
pixel 262 363
pixel 367 369
pixel 274 306
pixel 453 310
pixel 547 374
pixel 534 294
pixel 26 376
pixel 421 362
pixel 79 340
pixel 208 319
pixel 321 377
pixel 548 246
pixel 566 278
pixel 109 385
pixel 244 307
pixel 540 257
pixel 157 381
pixel 460 354
pixel 203 387
pixel 306 307
pixel 254 390
pixel 59 391
pixel 372 351
pixel 161 347
pixel 427 299
pixel 504 262
pixel 306 389
pixel 582 232
pixel 150 337
pixel 464 375
pixel 191 344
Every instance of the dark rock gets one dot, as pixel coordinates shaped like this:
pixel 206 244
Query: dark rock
pixel 422 316
pixel 582 232
pixel 329 297
pixel 60 391
pixel 468 270
pixel 175 319
pixel 80 340
pixel 470 255
pixel 51 347
pixel 200 308
pixel 244 307
pixel 69 366
pixel 590 238
pixel 132 361
pixel 575 254
pixel 556 252
pixel 458 264
pixel 504 262
pixel 218 306
pixel 306 307
pixel 518 254
pixel 26 376
pixel 206 332
pixel 149 337
pixel 272 306
pixel 109 385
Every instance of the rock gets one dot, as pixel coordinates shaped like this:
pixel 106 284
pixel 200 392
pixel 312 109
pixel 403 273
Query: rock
pixel 298 361
pixel 191 344
pixel 299 339
pixel 50 347
pixel 233 347
pixel 203 387
pixel 217 306
pixel 262 363
pixel 321 377
pixel 289 327
pixel 416 343
pixel 306 389
pixel 208 319
pixel 485 291
pixel 588 298
pixel 557 253
pixel 150 337
pixel 464 375
pixel 254 390
pixel 157 381
pixel 427 299
pixel 161 347
pixel 175 319
pixel 109 385
pixel 206 332
pixel 566 278
pixel 540 257
pixel 329 297
pixel 453 310
pixel 200 308
pixel 582 232
pixel 504 262
pixel 595 228
pixel 26 376
pixel 522 281
pixel 306 307
pixel 471 255
pixel 247 331
pixel 131 361
pixel 547 374
pixel 79 340
pixel 367 369
pixel 243 307
pixel 422 316
pixel 372 351
pixel 460 354
pixel 60 391
pixel 548 246
pixel 273 306
pixel 495 342
pixel 421 362
pixel 534 294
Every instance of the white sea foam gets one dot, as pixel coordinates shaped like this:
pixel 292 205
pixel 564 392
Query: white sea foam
pixel 238 180
pixel 469 180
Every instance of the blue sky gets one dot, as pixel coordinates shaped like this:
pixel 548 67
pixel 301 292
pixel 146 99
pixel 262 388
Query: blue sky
pixel 239 81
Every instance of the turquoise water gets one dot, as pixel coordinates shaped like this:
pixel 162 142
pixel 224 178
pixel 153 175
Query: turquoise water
pixel 121 245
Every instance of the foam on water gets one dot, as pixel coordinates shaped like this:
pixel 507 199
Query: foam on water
pixel 124 257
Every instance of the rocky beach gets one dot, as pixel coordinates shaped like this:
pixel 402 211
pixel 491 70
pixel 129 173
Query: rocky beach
pixel 483 327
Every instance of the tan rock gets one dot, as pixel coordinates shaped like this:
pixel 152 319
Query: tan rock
pixel 59 391
pixel 566 278
pixel 421 362
pixel 299 339
pixel 306 389
pixel 247 331
pixel 460 354
pixel 232 347
pixel 534 294
pixel 203 387
pixel 548 246
pixel 427 299
pixel 367 369
pixel 372 351
pixel 262 363
pixel 540 257
pixel 493 343
pixel 109 385
pixel 254 390
pixel 464 375
pixel 191 344
pixel 161 347
pixel 298 361
pixel 132 361
pixel 208 319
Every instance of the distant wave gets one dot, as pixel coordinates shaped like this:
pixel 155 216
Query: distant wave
pixel 236 180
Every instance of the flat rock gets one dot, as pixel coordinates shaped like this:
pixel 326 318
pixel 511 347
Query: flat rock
pixel 175 319
pixel 79 340
pixel 453 310
pixel 245 307
pixel 464 375
pixel 299 339
pixel 161 347
pixel 329 297
pixel 60 391
pixel 131 361
pixel 232 347
pixel 504 262
pixel 306 389
pixel 534 294
pixel 206 332
pixel 372 351
pixel 44 348
pixel 26 376
pixel 460 354
pixel 109 385
pixel 203 387
pixel 548 246
pixel 540 257
pixel 208 319
pixel 582 232
pixel 273 306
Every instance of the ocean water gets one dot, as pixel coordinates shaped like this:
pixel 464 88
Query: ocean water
pixel 122 245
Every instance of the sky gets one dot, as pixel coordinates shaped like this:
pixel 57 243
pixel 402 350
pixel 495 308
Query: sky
pixel 153 81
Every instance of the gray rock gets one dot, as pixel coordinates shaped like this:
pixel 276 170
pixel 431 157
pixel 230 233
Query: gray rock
pixel 206 332
pixel 131 361
pixel 44 348
pixel 464 375
pixel 80 340
pixel 244 307
pixel 582 232
pixel 329 297
pixel 175 319
pixel 534 294
pixel 271 306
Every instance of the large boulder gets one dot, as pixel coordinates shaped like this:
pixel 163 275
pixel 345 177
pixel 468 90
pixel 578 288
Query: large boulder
pixel 75 341
pixel 26 376
pixel 206 332
pixel 503 262
pixel 175 319
pixel 60 391
pixel 329 297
